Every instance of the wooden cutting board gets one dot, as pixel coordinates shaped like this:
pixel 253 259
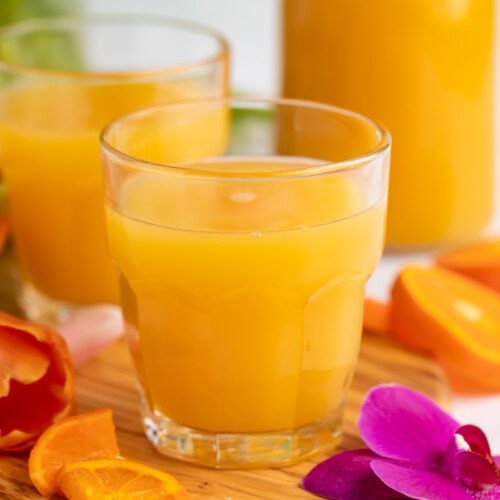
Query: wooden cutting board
pixel 108 381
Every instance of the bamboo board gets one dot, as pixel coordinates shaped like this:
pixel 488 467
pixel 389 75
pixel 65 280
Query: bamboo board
pixel 108 381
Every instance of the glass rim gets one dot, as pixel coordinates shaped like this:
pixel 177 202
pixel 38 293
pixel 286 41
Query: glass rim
pixel 326 167
pixel 33 25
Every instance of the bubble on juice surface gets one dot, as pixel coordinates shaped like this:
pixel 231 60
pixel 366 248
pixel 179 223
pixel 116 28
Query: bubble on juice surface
pixel 243 196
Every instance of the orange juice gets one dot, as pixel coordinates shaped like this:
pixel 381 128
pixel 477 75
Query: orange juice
pixel 244 300
pixel 423 68
pixel 49 156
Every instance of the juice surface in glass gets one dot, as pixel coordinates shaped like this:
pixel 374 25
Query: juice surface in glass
pixel 248 318
pixel 423 68
pixel 49 136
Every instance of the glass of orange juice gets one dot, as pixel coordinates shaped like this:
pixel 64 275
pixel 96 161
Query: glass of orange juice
pixel 425 69
pixel 61 81
pixel 244 232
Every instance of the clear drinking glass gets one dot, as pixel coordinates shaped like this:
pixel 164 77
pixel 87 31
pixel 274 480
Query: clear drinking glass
pixel 61 81
pixel 244 232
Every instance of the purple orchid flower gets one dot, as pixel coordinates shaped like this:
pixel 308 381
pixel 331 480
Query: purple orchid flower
pixel 416 450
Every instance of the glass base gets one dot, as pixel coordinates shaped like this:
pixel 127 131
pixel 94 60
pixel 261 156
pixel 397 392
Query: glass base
pixel 39 308
pixel 241 451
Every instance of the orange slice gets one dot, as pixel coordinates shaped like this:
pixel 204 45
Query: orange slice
pixel 376 317
pixel 479 261
pixel 118 479
pixel 455 319
pixel 88 436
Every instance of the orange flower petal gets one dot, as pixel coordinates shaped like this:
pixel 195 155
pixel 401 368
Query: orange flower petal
pixel 11 442
pixel 40 388
pixel 20 359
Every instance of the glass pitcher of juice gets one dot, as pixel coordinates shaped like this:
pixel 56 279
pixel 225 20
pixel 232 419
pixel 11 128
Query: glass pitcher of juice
pixel 424 69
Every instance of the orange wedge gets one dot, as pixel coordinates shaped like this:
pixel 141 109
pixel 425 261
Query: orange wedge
pixel 376 317
pixel 455 319
pixel 478 261
pixel 88 436
pixel 118 479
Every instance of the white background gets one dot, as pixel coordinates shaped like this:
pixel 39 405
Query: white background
pixel 252 27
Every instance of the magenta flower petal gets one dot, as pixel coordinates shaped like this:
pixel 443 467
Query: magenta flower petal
pixel 497 461
pixel 476 471
pixel 417 483
pixel 347 476
pixel 490 494
pixel 475 438
pixel 402 424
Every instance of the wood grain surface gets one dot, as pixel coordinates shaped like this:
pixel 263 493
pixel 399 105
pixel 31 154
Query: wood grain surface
pixel 108 381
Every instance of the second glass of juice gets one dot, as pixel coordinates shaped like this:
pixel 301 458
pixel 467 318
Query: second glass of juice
pixel 61 81
pixel 244 232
